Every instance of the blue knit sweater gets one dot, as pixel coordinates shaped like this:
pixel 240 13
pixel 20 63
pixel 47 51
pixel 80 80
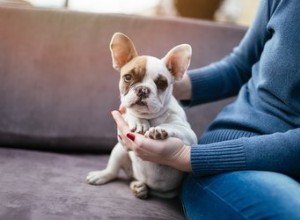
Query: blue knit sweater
pixel 261 129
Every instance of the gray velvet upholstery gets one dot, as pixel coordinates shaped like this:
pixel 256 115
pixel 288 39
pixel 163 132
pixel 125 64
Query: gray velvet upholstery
pixel 57 89
pixel 38 185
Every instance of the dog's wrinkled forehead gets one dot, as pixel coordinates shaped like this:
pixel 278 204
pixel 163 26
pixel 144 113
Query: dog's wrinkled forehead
pixel 136 71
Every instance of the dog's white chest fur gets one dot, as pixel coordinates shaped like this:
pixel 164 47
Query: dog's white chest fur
pixel 159 177
pixel 146 85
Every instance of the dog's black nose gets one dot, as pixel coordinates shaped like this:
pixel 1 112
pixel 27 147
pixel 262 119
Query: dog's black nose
pixel 142 92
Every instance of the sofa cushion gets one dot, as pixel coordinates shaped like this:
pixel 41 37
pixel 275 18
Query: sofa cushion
pixel 40 185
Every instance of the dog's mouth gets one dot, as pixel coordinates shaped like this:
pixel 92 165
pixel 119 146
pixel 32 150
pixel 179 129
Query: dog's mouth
pixel 141 102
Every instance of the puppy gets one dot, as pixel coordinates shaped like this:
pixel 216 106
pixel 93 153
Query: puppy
pixel 146 85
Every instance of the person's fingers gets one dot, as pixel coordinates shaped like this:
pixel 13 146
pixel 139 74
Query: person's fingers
pixel 125 142
pixel 148 145
pixel 146 148
pixel 131 136
pixel 121 123
pixel 122 109
pixel 126 136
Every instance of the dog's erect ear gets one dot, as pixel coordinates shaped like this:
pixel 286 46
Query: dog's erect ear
pixel 122 50
pixel 178 60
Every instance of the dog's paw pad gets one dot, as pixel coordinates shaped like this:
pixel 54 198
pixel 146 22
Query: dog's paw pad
pixel 157 133
pixel 139 189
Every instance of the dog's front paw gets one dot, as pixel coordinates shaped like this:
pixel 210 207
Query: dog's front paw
pixel 157 133
pixel 138 125
pixel 99 177
pixel 139 189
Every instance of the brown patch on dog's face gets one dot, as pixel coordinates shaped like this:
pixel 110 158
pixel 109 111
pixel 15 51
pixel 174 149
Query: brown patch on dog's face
pixel 133 72
pixel 161 83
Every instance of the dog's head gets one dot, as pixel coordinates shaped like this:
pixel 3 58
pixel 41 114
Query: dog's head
pixel 146 82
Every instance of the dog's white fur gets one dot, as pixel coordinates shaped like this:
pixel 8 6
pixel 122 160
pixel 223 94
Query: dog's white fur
pixel 158 117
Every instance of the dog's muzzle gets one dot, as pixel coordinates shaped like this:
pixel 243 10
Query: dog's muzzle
pixel 142 93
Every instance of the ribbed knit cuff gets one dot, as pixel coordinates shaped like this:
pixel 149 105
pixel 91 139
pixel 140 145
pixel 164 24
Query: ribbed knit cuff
pixel 218 157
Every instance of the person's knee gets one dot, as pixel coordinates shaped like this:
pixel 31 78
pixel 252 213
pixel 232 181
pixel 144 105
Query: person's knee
pixel 249 194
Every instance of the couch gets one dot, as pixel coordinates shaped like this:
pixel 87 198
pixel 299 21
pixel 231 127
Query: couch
pixel 57 89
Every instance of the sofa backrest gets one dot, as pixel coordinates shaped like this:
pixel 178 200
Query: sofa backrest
pixel 57 84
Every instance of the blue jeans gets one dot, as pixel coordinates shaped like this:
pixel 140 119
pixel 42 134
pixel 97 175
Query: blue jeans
pixel 241 195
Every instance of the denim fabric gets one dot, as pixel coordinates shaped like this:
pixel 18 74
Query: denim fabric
pixel 241 195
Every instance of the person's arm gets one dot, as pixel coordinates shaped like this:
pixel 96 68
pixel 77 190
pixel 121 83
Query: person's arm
pixel 183 88
pixel 278 152
pixel 224 78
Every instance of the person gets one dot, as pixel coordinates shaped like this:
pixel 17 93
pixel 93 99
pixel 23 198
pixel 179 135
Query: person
pixel 247 163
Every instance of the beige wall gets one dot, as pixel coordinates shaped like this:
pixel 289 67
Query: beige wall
pixel 237 11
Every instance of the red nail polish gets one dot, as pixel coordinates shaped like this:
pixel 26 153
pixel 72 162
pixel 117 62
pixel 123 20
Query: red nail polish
pixel 130 136
pixel 120 137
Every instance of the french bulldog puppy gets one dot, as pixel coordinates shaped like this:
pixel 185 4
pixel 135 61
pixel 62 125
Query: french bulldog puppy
pixel 146 85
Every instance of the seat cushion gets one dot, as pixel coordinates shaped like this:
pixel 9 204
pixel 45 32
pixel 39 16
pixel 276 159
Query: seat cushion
pixel 43 185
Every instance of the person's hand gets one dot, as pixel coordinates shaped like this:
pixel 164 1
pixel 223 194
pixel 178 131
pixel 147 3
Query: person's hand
pixel 171 151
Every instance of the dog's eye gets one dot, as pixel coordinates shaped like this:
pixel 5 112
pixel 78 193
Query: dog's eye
pixel 127 77
pixel 161 82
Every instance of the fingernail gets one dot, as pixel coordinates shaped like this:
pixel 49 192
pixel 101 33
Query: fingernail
pixel 120 136
pixel 130 136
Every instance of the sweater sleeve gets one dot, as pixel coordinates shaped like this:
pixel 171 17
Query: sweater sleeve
pixel 278 152
pixel 224 78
